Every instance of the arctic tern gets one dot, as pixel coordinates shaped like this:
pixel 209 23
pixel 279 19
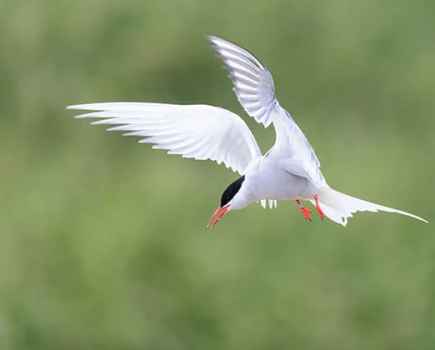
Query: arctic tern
pixel 290 170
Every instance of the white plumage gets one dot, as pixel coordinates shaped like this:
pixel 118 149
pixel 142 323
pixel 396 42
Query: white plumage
pixel 290 170
pixel 198 131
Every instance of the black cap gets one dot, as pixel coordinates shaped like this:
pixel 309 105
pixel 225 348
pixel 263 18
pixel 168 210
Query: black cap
pixel 231 191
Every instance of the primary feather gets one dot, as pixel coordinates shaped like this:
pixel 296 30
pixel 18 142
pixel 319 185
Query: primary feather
pixel 253 83
pixel 192 131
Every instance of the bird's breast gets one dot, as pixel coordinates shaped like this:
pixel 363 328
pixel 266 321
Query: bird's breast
pixel 269 181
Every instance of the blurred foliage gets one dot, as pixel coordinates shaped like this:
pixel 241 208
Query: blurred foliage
pixel 103 241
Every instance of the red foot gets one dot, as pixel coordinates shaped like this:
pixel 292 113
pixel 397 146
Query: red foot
pixel 319 210
pixel 306 212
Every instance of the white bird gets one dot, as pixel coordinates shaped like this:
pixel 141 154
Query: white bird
pixel 290 170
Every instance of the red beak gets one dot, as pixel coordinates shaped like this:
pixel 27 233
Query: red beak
pixel 217 216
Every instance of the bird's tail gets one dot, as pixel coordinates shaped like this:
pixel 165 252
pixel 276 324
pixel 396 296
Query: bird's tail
pixel 338 206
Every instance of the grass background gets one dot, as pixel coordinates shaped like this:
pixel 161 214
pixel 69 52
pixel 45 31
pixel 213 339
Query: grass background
pixel 103 242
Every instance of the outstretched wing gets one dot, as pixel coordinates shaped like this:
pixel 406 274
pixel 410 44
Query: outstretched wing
pixel 192 131
pixel 254 87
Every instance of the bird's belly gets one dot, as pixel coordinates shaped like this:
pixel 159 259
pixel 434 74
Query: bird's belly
pixel 276 184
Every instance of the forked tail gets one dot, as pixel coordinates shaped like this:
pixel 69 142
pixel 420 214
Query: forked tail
pixel 338 206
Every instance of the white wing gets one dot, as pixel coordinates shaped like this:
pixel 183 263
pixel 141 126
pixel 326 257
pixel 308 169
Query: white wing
pixel 253 83
pixel 192 131
pixel 255 90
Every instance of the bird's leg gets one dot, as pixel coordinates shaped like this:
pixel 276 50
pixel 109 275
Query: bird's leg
pixel 319 210
pixel 306 212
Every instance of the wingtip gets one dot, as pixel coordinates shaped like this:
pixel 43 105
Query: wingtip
pixel 74 107
pixel 215 40
pixel 83 116
pixel 211 37
pixel 88 106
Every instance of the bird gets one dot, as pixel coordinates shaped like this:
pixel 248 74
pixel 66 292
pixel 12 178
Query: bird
pixel 289 170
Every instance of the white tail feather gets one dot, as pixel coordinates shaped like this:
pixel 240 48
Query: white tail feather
pixel 338 206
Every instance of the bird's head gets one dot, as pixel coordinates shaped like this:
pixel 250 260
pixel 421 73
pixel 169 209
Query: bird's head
pixel 226 203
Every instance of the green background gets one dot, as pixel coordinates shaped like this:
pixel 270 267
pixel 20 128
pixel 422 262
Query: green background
pixel 103 242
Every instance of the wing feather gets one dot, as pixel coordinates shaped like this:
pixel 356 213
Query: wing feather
pixel 252 81
pixel 192 131
pixel 254 87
